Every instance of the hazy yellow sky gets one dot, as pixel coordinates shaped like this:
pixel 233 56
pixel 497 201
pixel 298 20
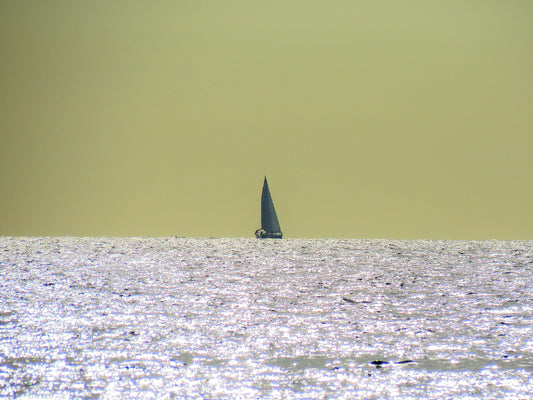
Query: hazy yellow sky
pixel 371 119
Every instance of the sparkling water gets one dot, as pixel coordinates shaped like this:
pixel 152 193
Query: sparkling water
pixel 246 318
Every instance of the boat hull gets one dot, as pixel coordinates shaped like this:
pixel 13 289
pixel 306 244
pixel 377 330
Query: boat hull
pixel 262 234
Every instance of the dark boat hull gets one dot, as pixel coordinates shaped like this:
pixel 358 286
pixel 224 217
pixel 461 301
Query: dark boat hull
pixel 262 234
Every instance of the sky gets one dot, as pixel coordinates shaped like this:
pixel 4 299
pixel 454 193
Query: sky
pixel 370 119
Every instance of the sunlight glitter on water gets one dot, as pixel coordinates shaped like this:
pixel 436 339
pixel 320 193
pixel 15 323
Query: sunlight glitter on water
pixel 240 318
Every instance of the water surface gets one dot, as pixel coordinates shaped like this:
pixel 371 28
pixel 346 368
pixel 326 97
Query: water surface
pixel 247 318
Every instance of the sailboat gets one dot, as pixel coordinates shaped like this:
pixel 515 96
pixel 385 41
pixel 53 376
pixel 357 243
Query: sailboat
pixel 269 220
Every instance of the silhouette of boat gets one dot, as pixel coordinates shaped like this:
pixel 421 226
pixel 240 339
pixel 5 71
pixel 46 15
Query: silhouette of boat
pixel 269 220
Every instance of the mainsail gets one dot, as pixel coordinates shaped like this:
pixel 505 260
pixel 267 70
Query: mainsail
pixel 269 220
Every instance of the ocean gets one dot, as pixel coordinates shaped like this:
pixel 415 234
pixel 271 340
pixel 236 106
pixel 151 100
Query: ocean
pixel 279 319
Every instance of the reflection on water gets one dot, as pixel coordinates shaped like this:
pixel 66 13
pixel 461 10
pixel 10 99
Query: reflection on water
pixel 210 318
